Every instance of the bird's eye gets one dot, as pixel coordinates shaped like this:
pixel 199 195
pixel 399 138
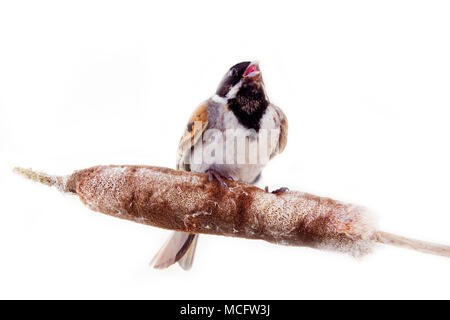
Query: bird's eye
pixel 232 72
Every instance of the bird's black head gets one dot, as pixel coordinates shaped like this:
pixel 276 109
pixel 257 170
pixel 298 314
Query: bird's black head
pixel 243 88
pixel 232 78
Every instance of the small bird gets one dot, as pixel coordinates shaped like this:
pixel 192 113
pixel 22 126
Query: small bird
pixel 239 111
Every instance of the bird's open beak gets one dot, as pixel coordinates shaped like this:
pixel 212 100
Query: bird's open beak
pixel 252 71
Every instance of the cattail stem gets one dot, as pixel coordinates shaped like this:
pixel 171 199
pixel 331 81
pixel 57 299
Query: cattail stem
pixel 36 176
pixel 189 202
pixel 418 245
pixel 43 178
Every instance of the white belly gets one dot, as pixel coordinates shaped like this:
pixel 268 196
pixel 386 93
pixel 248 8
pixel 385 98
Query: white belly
pixel 240 153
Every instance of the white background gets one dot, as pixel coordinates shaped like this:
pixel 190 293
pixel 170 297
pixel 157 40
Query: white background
pixel 365 86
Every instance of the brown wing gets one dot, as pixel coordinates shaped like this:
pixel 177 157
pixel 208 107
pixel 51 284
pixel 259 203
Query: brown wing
pixel 282 141
pixel 283 134
pixel 197 124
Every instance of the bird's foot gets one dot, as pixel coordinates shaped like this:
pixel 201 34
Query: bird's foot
pixel 213 174
pixel 277 191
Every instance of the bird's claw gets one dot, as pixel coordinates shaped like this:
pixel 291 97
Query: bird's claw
pixel 213 174
pixel 277 191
